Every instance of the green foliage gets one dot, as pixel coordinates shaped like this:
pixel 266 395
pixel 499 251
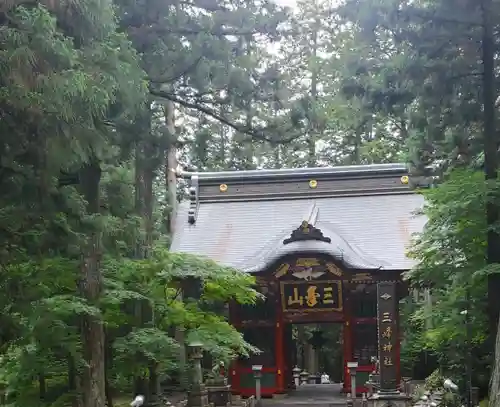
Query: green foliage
pixel 128 283
pixel 454 237
pixel 451 255
pixel 75 91
pixel 252 85
pixel 434 381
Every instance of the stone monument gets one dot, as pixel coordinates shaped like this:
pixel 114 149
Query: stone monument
pixel 388 394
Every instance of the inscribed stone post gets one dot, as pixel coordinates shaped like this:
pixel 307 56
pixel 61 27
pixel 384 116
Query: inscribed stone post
pixel 387 308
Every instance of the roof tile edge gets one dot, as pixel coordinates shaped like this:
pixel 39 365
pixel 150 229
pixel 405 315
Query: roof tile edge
pixel 297 173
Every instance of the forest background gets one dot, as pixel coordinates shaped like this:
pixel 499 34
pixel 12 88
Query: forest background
pixel 103 101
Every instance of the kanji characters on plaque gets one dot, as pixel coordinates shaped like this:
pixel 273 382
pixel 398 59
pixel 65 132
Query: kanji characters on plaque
pixel 324 295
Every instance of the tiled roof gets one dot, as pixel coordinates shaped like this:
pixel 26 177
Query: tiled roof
pixel 368 212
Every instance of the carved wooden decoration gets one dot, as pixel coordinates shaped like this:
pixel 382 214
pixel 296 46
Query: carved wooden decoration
pixel 332 268
pixel 306 232
pixel 362 277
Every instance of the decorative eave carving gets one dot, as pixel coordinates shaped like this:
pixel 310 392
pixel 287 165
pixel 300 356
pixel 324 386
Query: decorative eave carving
pixel 350 256
pixel 306 231
pixel 193 200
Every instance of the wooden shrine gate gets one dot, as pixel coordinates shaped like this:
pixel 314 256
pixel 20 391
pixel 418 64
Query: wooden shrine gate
pixel 320 242
pixel 310 288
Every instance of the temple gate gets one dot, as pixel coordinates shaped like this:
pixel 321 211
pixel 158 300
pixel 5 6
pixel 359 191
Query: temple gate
pixel 325 245
pixel 314 289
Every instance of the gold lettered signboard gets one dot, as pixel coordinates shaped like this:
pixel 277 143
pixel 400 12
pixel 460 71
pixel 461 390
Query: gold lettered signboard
pixel 311 296
pixel 387 303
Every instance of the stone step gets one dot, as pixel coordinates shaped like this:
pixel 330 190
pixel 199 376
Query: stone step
pixel 303 403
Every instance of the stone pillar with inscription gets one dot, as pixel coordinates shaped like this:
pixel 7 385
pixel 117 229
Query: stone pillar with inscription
pixel 387 317
pixel 387 308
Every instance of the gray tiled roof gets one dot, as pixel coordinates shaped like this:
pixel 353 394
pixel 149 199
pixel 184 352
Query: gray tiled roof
pixel 369 230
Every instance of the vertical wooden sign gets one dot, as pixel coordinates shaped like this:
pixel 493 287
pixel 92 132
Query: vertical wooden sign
pixel 387 307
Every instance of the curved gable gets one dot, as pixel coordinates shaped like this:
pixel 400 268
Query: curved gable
pixel 332 244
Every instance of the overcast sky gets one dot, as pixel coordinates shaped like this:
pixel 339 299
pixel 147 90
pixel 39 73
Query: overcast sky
pixel 289 3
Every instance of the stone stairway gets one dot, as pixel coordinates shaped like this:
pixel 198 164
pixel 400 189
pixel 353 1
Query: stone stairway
pixel 319 395
pixel 237 401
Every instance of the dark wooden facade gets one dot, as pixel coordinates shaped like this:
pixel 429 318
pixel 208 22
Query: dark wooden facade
pixel 309 288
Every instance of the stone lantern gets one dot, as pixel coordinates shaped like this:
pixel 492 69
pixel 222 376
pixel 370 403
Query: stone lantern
pixel 257 372
pixel 197 396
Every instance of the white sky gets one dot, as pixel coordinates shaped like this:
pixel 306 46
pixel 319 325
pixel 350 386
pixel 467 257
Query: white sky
pixel 293 3
pixel 289 3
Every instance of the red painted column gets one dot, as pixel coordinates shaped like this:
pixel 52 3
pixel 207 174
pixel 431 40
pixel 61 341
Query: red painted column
pixel 280 349
pixel 234 373
pixel 348 338
pixel 398 343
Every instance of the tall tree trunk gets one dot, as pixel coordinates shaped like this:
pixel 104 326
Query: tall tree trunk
pixel 403 130
pixel 491 169
pixel 42 386
pixel 108 352
pixel 71 373
pixel 109 392
pixel 313 118
pixel 140 385
pixel 144 205
pixel 248 147
pixel 73 382
pixel 171 165
pixel 277 148
pixel 139 195
pixel 90 285
pixel 490 160
pixel 494 397
pixel 356 156
pixel 154 384
pixel 139 246
pixel 148 178
pixel 277 156
pixel 223 136
pixel 171 180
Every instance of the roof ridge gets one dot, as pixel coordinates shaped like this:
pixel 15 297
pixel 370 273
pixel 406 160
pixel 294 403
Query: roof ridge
pixel 341 170
pixel 312 216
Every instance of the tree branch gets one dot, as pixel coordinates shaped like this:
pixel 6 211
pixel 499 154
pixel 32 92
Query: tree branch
pixel 208 7
pixel 258 134
pixel 465 75
pixel 8 5
pixel 216 31
pixel 430 16
pixel 177 75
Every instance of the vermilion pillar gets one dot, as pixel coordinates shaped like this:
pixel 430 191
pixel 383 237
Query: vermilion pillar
pixel 347 337
pixel 398 345
pixel 233 369
pixel 280 349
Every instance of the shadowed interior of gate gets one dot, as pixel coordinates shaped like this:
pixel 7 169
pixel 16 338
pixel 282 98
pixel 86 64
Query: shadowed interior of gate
pixel 317 349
